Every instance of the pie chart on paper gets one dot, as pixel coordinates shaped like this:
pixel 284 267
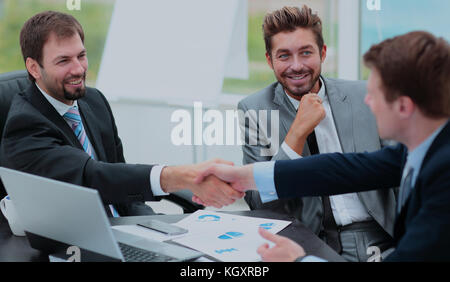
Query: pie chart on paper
pixel 208 217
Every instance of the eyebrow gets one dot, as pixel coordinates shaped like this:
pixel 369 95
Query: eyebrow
pixel 305 47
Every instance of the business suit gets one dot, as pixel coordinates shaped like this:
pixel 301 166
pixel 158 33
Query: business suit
pixel 38 140
pixel 357 132
pixel 422 227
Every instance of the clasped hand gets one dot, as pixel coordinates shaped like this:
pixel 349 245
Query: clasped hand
pixel 240 179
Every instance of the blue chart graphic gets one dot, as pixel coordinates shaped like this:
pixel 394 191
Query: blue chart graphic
pixel 225 251
pixel 230 235
pixel 267 226
pixel 208 217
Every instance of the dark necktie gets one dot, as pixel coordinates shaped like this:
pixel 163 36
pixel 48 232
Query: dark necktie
pixel 329 224
pixel 405 189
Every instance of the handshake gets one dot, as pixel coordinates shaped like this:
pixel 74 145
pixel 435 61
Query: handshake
pixel 214 183
pixel 219 183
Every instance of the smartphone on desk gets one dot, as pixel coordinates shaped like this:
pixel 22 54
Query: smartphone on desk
pixel 163 227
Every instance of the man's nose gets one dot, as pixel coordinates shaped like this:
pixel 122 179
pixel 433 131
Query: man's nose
pixel 297 64
pixel 78 68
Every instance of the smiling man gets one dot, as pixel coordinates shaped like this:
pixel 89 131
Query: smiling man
pixel 62 129
pixel 317 115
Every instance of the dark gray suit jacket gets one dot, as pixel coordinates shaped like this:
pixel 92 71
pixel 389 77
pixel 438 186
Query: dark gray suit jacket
pixel 37 140
pixel 357 132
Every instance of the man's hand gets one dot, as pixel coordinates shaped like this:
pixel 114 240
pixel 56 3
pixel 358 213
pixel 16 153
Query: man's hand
pixel 310 113
pixel 240 178
pixel 285 250
pixel 210 192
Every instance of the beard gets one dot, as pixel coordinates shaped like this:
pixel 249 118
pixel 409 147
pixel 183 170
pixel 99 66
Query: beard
pixel 300 91
pixel 61 91
pixel 77 94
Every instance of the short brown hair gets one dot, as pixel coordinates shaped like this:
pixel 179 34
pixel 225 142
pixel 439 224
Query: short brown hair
pixel 289 19
pixel 36 31
pixel 416 65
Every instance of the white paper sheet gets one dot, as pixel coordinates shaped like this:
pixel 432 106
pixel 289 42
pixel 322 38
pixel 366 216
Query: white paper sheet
pixel 227 237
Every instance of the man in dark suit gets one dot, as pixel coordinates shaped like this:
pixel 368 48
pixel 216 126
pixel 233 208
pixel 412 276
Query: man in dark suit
pixel 61 129
pixel 409 94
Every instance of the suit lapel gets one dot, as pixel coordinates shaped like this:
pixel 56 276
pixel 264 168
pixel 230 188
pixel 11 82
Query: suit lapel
pixel 342 116
pixel 410 207
pixel 38 100
pixel 286 110
pixel 90 125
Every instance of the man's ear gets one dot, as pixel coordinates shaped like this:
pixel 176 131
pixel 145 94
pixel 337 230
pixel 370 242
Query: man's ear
pixel 323 53
pixel 405 106
pixel 33 68
pixel 269 60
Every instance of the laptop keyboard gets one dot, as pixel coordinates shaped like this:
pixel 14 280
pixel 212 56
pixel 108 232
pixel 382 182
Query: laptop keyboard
pixel 133 254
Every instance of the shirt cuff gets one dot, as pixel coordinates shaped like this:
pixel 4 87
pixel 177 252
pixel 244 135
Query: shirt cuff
pixel 289 152
pixel 264 180
pixel 311 259
pixel 155 184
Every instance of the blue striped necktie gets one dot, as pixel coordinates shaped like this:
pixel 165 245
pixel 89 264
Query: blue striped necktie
pixel 73 118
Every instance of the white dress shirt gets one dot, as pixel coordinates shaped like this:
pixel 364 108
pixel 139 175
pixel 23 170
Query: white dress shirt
pixel 347 208
pixel 155 173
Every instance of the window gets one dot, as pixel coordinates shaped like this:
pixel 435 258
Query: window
pixel 399 17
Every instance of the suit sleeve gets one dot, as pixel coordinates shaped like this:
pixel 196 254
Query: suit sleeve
pixel 332 174
pixel 251 151
pixel 33 144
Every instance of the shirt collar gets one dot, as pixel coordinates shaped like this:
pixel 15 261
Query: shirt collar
pixel 321 94
pixel 59 106
pixel 416 156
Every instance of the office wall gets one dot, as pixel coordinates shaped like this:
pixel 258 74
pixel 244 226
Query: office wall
pixel 145 130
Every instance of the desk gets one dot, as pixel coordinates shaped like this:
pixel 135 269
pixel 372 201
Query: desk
pixel 13 248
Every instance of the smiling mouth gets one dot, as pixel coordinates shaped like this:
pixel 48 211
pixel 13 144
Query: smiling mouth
pixel 298 77
pixel 76 82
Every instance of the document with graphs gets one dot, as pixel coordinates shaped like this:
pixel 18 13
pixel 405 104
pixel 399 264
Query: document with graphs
pixel 227 237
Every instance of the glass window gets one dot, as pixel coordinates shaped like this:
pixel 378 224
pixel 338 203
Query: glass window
pixel 260 74
pixel 399 17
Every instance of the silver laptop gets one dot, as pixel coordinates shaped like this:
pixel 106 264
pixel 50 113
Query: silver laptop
pixel 58 212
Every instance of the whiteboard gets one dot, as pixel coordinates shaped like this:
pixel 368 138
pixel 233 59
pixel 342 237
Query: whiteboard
pixel 174 51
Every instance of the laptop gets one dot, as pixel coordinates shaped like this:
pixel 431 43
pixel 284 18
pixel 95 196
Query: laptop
pixel 57 215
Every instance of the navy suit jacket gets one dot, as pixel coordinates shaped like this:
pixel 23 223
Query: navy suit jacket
pixel 422 229
pixel 39 141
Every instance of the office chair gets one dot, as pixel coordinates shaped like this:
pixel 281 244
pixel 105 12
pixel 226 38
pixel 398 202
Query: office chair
pixel 15 82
